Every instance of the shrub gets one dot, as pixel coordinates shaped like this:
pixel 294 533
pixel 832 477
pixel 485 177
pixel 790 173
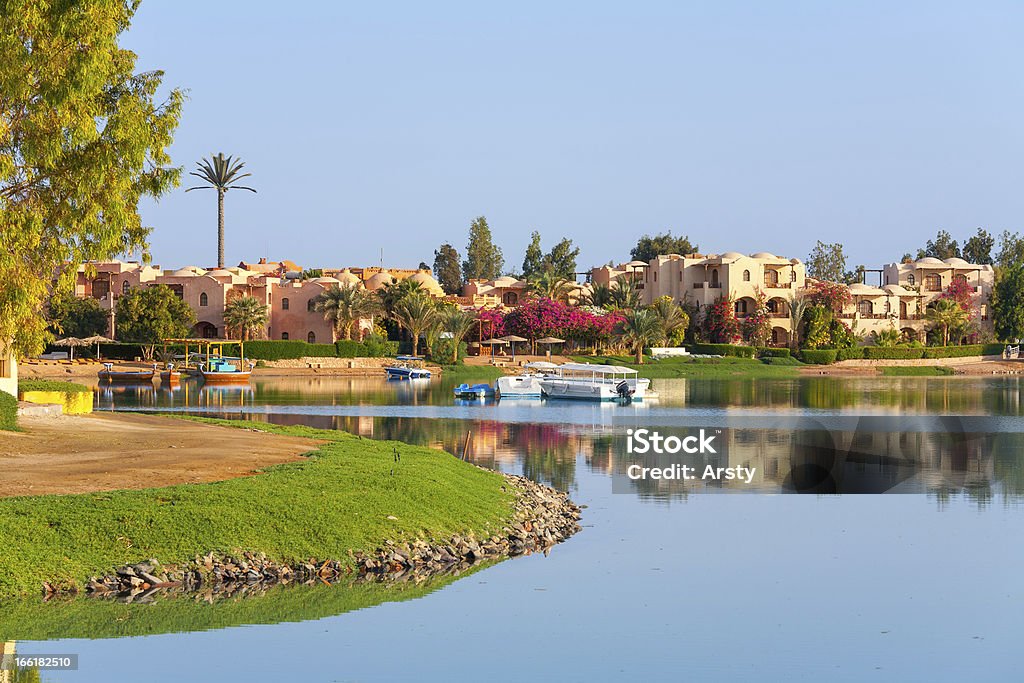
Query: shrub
pixel 818 356
pixel 957 351
pixel 280 349
pixel 8 412
pixel 895 353
pixel 119 351
pixel 322 350
pixel 723 350
pixel 780 360
pixel 992 349
pixel 851 353
pixel 50 385
pixel 772 352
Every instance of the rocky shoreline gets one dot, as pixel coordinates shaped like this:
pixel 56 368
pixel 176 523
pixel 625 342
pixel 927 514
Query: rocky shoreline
pixel 542 517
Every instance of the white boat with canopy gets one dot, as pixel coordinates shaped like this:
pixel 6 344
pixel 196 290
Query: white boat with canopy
pixel 586 382
pixel 526 385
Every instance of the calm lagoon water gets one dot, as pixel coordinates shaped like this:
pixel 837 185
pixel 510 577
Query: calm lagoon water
pixel 665 581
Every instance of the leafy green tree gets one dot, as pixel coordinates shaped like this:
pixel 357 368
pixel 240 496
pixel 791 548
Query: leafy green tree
pixel 642 328
pixel 887 338
pixel 483 259
pixel 82 140
pixel 447 269
pixel 220 173
pixel 148 315
pixel 346 305
pixel 1011 249
pixel 1008 303
pixel 562 259
pixel 416 313
pixel 943 247
pixel 946 314
pixel 71 316
pixel 648 247
pixel 247 316
pixel 978 249
pixel 827 262
pixel 533 260
pixel 624 294
pixel 550 285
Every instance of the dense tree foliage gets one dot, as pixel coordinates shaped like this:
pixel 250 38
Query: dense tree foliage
pixel 483 258
pixel 71 316
pixel 148 315
pixel 942 247
pixel 827 262
pixel 1008 303
pixel 447 269
pixel 82 139
pixel 648 247
pixel 246 316
pixel 978 249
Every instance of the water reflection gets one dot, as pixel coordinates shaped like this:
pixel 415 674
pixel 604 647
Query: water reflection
pixel 548 441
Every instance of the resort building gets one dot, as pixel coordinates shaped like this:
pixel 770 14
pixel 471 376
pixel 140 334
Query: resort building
pixel 503 291
pixel 279 285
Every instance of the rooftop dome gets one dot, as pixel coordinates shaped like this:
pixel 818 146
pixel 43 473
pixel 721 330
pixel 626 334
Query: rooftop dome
pixel 427 282
pixel 764 254
pixel 637 264
pixel 325 281
pixel 929 261
pixel 379 280
pixel 732 254
pixel 348 277
pixel 503 281
pixel 219 272
pixel 794 261
pixel 954 261
pixel 188 271
pixel 896 289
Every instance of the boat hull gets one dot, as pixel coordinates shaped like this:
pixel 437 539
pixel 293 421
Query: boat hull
pixel 474 391
pixel 226 377
pixel 519 387
pixel 125 377
pixel 406 373
pixel 589 391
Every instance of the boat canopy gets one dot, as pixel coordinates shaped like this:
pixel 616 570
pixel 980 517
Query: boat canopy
pixel 597 369
pixel 541 365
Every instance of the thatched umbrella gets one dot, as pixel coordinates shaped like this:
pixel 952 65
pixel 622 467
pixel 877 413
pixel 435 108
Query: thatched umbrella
pixel 512 339
pixel 98 339
pixel 549 341
pixel 71 342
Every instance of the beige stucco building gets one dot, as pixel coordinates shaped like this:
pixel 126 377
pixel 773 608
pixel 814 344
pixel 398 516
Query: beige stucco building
pixel 8 370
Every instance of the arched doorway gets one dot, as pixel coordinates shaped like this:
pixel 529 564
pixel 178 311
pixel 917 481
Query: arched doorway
pixel 205 330
pixel 510 299
pixel 780 336
pixel 903 311
pixel 777 308
pixel 714 279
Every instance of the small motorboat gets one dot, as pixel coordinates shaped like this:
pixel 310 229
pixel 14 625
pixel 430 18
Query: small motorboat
pixel 109 374
pixel 526 385
pixel 474 391
pixel 405 371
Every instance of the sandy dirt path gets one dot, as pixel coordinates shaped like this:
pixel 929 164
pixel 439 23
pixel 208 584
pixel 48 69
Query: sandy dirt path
pixel 105 451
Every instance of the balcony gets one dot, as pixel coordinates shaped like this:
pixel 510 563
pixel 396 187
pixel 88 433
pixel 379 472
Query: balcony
pixel 779 285
pixel 715 285
pixel 699 285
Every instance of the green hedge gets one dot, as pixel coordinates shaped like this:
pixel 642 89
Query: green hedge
pixel 50 385
pixel 818 356
pixel 373 347
pixel 893 352
pixel 119 351
pixel 8 412
pixel 772 352
pixel 723 350
pixel 965 350
pixel 284 349
pixel 852 353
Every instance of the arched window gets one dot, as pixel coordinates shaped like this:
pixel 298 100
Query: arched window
pixel 204 300
pixel 311 337
pixel 311 305
pixel 792 276
pixel 741 307
pixel 771 277
pixel 125 287
pixel 714 278
pixel 933 282
pixel 746 276
pixel 866 307
pixel 910 279
pixel 510 299
pixel 888 307
pixel 284 307
pixel 655 276
pixel 284 335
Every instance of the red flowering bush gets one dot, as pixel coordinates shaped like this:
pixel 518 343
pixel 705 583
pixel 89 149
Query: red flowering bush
pixel 831 295
pixel 542 317
pixel 720 324
pixel 493 322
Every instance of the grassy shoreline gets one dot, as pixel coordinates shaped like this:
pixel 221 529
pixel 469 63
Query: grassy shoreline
pixel 342 497
pixel 702 368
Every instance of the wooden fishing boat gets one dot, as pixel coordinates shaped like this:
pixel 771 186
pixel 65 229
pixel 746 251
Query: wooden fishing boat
pixel 109 374
pixel 222 371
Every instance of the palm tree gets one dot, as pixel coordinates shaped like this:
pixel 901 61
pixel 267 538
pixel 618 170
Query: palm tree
pixel 246 315
pixel 946 313
pixel 672 316
pixel 599 296
pixel 624 295
pixel 458 324
pixel 641 328
pixel 394 292
pixel 345 305
pixel 220 173
pixel 548 285
pixel 415 313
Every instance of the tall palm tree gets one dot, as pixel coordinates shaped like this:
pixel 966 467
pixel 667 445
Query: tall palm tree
pixel 458 324
pixel 222 174
pixel 641 328
pixel 415 313
pixel 797 307
pixel 946 313
pixel 345 305
pixel 246 315
pixel 394 292
pixel 672 316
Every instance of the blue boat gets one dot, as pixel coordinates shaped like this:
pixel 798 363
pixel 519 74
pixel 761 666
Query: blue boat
pixel 474 391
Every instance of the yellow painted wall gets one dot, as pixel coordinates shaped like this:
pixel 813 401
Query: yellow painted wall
pixel 75 403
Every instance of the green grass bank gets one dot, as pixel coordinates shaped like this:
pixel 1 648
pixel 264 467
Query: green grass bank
pixel 704 368
pixel 339 498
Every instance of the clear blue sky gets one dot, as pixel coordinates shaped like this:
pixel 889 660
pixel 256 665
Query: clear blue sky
pixel 746 125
